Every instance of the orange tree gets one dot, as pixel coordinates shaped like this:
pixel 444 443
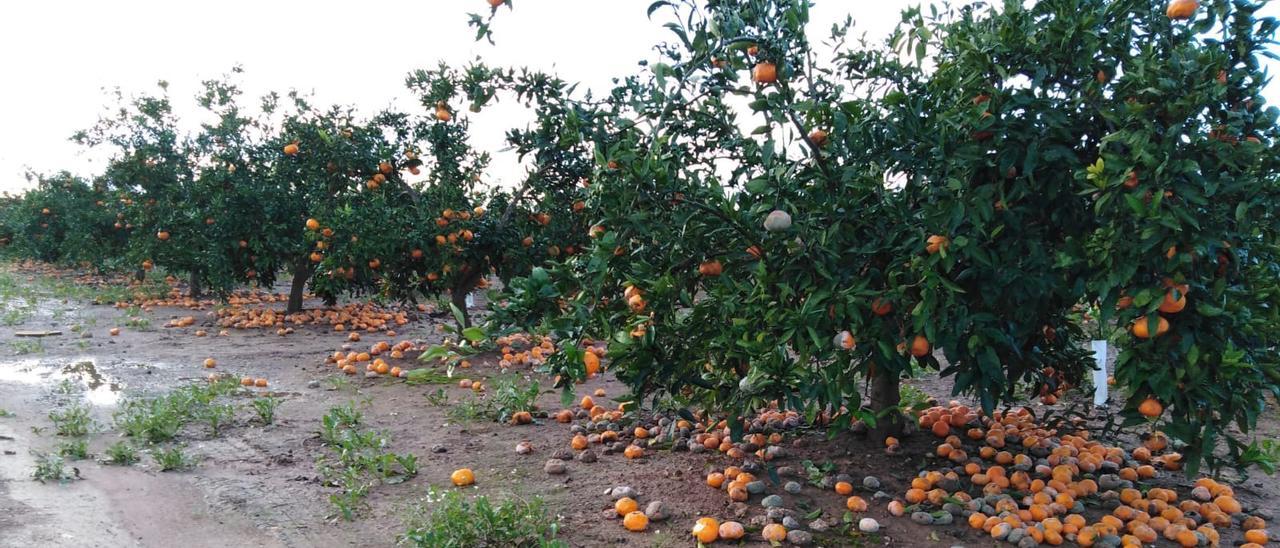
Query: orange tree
pixel 63 218
pixel 331 193
pixel 735 268
pixel 463 232
pixel 152 175
pixel 1184 187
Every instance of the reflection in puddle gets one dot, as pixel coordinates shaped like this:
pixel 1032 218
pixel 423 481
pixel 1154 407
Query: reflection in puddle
pixel 98 389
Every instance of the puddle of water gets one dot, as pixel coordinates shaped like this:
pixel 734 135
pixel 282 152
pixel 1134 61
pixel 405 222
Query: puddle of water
pixel 97 389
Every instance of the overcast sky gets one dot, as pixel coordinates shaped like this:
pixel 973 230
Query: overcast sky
pixel 59 55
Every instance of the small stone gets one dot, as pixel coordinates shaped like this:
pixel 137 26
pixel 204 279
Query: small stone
pixel 791 487
pixel 1028 542
pixel 1016 535
pixel 1110 541
pixel 818 525
pixel 881 495
pixel 554 467
pixel 656 511
pixel 799 538
pixel 313 384
pixel 439 448
pixel 587 456
pixel 871 482
pixel 922 518
pixel 771 501
pixel 756 522
pixel 786 471
pixel 868 525
pixel 619 446
pixel 751 467
pixel 610 513
pixel 844 477
pixel 953 508
pixel 524 448
pixel 739 509
pixel 944 519
pixel 695 447
pixel 620 492
pixel 776 514
pixel 756 487
pixel 562 454
pixel 680 446
pixel 790 522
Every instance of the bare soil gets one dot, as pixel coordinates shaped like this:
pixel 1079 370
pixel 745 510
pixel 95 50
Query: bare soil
pixel 258 485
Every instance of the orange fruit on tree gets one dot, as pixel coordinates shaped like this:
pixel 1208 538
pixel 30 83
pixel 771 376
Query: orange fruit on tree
pixel 313 225
pixel 818 137
pixel 881 307
pixel 496 3
pixel 920 346
pixel 1150 408
pixel 765 72
pixel 462 477
pixel 1181 9
pixel 1171 305
pixel 1142 331
pixel 162 235
pixel 635 521
pixel 706 530
pixel 290 149
pixel 936 243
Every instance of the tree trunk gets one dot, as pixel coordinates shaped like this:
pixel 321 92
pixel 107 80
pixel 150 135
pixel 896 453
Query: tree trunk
pixel 193 287
pixel 884 403
pixel 458 296
pixel 301 273
pixel 140 275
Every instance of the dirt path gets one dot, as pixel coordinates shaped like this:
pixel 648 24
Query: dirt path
pixel 259 485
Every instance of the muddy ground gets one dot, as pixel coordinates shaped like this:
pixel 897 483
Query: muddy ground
pixel 256 485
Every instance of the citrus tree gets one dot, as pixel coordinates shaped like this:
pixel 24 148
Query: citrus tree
pixel 152 175
pixel 464 230
pixel 889 213
pixel 1183 186
pixel 334 192
pixel 63 218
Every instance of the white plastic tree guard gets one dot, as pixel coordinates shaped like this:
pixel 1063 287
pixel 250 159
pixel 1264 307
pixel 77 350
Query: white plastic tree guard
pixel 1100 374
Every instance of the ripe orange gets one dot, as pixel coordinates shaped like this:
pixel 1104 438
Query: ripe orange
pixel 210 363
pixel 818 137
pixel 1150 408
pixel 844 488
pixel 919 346
pixel 290 149
pixel 774 532
pixel 313 225
pixel 765 72
pixel 625 505
pixel 1181 9
pixel 1170 305
pixel 881 307
pixel 635 521
pixel 462 477
pixel 706 530
pixel 936 243
pixel 1141 330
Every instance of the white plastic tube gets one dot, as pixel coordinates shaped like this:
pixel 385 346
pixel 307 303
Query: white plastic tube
pixel 1100 374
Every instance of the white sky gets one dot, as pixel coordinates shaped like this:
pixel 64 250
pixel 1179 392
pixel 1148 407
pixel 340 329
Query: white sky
pixel 58 55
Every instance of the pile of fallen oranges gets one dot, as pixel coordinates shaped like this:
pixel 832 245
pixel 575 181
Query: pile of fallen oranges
pixel 372 359
pixel 1021 482
pixel 350 317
